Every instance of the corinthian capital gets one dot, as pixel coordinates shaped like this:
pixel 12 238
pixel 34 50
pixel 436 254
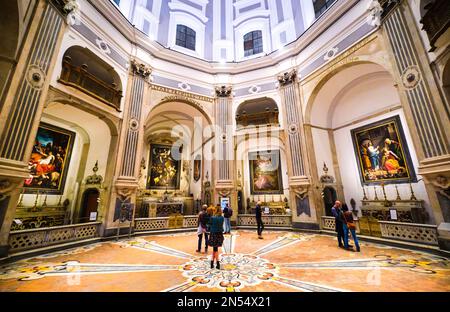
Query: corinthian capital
pixel 224 91
pixel 287 77
pixel 140 69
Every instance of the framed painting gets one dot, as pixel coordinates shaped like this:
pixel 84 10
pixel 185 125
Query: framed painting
pixel 49 160
pixel 197 168
pixel 382 153
pixel 265 172
pixel 164 170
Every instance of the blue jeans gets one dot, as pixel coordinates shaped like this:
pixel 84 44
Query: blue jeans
pixel 226 225
pixel 355 239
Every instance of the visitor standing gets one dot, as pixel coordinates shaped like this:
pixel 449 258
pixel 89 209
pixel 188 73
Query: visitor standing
pixel 259 222
pixel 338 218
pixel 349 225
pixel 203 219
pixel 216 235
pixel 227 213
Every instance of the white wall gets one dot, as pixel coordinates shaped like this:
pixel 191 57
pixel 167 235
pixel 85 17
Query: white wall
pixel 349 168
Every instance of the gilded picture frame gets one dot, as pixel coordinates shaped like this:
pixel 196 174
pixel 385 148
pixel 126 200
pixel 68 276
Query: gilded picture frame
pixel 49 160
pixel 265 172
pixel 382 153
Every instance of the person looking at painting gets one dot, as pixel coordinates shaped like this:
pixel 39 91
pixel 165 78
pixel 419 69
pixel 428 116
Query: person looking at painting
pixel 216 235
pixel 202 221
pixel 259 222
pixel 227 213
pixel 349 225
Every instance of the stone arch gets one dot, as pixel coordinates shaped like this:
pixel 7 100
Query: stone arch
pixel 312 98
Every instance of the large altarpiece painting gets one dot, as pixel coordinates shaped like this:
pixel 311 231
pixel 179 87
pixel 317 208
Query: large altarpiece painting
pixel 382 153
pixel 164 170
pixel 265 172
pixel 49 160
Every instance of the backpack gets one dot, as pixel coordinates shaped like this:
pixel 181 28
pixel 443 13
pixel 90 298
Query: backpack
pixel 228 213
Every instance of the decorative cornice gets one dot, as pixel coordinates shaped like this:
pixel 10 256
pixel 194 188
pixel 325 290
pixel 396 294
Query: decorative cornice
pixel 140 69
pixel 287 78
pixel 224 91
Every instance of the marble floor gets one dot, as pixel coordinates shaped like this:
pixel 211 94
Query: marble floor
pixel 282 261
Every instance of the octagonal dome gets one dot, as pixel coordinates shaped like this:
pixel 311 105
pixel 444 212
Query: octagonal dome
pixel 223 30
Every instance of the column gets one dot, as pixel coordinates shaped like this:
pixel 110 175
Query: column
pixel 131 148
pixel 24 100
pixel 224 161
pixel 303 210
pixel 423 106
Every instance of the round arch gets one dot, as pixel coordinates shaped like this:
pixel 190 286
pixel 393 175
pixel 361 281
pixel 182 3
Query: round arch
pixel 312 98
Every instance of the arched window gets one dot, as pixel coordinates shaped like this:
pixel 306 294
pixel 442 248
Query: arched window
pixel 253 43
pixel 185 37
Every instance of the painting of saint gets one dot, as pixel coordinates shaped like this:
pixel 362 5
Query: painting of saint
pixel 164 170
pixel 382 153
pixel 265 172
pixel 49 160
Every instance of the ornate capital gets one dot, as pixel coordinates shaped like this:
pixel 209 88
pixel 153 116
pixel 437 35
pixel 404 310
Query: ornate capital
pixel 68 8
pixel 140 69
pixel 287 78
pixel 224 91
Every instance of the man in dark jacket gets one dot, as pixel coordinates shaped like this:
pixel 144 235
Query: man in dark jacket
pixel 338 217
pixel 259 223
pixel 203 219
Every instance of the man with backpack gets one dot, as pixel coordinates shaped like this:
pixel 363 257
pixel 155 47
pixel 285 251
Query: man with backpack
pixel 203 220
pixel 227 213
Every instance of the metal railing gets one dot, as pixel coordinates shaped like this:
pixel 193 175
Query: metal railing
pixel 268 220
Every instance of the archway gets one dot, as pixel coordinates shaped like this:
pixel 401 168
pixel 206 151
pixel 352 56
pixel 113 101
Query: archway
pixel 255 112
pixel 176 155
pixel 89 206
pixel 354 103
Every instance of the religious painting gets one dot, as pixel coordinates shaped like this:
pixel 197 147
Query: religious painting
pixel 382 153
pixel 197 168
pixel 49 160
pixel 164 170
pixel 265 172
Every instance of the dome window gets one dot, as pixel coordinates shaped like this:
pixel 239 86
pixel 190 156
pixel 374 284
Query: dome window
pixel 185 37
pixel 253 43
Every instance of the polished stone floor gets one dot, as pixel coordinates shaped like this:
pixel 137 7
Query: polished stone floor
pixel 282 261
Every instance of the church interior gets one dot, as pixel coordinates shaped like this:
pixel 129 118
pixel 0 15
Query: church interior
pixel 121 119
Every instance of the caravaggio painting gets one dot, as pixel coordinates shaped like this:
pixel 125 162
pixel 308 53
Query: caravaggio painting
pixel 164 170
pixel 265 172
pixel 382 153
pixel 49 160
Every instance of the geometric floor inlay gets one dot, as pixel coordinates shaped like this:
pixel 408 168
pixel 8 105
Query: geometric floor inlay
pixel 283 261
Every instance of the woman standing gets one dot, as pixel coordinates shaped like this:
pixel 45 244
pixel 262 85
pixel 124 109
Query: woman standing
pixel 349 225
pixel 216 235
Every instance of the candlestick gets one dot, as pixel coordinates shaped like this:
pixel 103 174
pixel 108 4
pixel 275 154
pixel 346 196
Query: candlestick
pixel 413 197
pixel 44 204
pixel 365 195
pixel 384 191
pixel 376 195
pixel 398 194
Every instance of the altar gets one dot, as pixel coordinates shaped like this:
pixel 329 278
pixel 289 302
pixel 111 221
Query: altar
pixel 409 211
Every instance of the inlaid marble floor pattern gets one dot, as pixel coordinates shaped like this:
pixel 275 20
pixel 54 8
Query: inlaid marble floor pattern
pixel 282 261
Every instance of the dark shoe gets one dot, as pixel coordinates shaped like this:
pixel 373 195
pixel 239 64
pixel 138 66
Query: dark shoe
pixel 198 250
pixel 260 237
pixel 218 265
pixel 358 249
pixel 341 246
pixel 349 248
pixel 206 250
pixel 212 264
